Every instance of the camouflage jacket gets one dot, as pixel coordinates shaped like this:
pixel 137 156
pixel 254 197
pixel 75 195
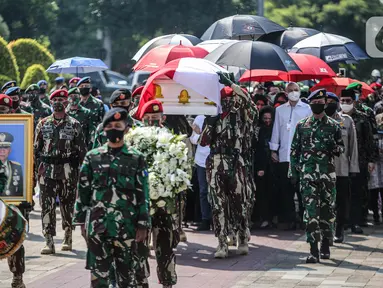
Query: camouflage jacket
pixel 3 178
pixel 84 116
pixel 97 109
pixel 114 188
pixel 58 140
pixel 39 110
pixel 45 100
pixel 19 111
pixel 367 146
pixel 315 144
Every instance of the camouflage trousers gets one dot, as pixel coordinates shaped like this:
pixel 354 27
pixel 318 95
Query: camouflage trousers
pixel 165 239
pixel 65 189
pixel 318 195
pixel 229 193
pixel 104 252
pixel 16 262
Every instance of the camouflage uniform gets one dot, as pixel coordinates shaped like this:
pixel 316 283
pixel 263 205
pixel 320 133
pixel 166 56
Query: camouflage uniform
pixel 113 189
pixel 18 110
pixel 316 142
pixel 84 117
pixel 59 150
pixel 97 110
pixel 226 172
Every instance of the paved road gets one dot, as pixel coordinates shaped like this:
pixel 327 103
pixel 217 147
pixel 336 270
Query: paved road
pixel 276 259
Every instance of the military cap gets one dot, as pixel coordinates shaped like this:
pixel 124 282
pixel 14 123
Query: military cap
pixel 73 90
pixel 14 91
pixel 6 139
pixel 9 84
pixel 317 94
pixel 354 86
pixel 348 93
pixel 226 92
pixel 117 114
pixel 376 86
pixel 83 80
pixel 5 100
pixel 120 94
pixel 60 79
pixel 31 88
pixel 331 95
pixel 42 82
pixel 137 91
pixel 74 80
pixel 153 106
pixel 59 93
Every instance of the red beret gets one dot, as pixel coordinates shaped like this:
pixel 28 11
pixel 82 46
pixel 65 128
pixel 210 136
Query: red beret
pixel 153 106
pixel 138 91
pixel 59 93
pixel 74 80
pixel 226 92
pixel 376 86
pixel 5 100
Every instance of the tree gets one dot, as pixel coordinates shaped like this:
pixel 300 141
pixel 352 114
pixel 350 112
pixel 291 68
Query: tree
pixel 4 30
pixel 34 74
pixel 8 66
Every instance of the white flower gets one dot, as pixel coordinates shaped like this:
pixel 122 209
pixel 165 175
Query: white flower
pixel 161 203
pixel 152 211
pixel 153 194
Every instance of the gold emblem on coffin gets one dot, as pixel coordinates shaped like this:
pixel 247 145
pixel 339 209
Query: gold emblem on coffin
pixel 184 97
pixel 209 103
pixel 158 91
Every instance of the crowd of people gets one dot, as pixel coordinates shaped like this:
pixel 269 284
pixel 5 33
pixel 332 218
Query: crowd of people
pixel 279 156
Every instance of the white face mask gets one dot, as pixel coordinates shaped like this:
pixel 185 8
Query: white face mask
pixel 294 96
pixel 346 107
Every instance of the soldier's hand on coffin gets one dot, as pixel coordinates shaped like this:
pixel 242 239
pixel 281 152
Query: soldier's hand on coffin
pixel 224 80
pixel 141 234
pixel 232 77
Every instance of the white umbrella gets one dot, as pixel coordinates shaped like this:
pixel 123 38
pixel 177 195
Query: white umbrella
pixel 211 45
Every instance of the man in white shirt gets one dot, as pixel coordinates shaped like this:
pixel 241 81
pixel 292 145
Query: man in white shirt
pixel 286 118
pixel 200 160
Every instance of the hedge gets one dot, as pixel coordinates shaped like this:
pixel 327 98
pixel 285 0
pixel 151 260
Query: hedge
pixel 29 52
pixel 33 74
pixel 4 79
pixel 8 64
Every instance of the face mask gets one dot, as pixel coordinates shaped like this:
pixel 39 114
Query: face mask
pixel 272 97
pixel 331 109
pixel 32 97
pixel 84 91
pixel 155 122
pixel 58 107
pixel 42 90
pixel 317 108
pixel 74 101
pixel 114 135
pixel 294 96
pixel 356 97
pixel 346 107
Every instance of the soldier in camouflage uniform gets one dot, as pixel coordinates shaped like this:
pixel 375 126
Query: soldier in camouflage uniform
pixel 120 98
pixel 73 82
pixel 81 114
pixel 317 140
pixel 43 86
pixel 37 108
pixel 136 95
pixel 59 149
pixel 8 85
pixel 95 105
pixel 14 93
pixel 112 206
pixel 367 155
pixel 225 167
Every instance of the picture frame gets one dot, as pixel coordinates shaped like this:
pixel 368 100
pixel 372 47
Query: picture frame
pixel 17 133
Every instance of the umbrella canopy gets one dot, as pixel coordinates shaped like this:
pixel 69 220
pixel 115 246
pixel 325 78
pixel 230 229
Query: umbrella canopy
pixel 336 85
pixel 312 68
pixel 77 65
pixel 196 74
pixel 161 55
pixel 211 45
pixel 331 48
pixel 175 39
pixel 293 35
pixel 241 27
pixel 263 75
pixel 253 55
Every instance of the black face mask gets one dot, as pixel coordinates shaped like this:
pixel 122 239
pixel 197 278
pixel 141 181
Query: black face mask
pixel 84 91
pixel 331 109
pixel 42 90
pixel 114 135
pixel 33 97
pixel 317 108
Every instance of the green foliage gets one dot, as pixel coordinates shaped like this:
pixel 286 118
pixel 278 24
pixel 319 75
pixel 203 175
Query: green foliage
pixel 8 65
pixel 33 74
pixel 4 79
pixel 4 30
pixel 29 52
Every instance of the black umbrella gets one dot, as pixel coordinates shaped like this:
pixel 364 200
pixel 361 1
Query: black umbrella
pixel 242 27
pixel 293 35
pixel 253 55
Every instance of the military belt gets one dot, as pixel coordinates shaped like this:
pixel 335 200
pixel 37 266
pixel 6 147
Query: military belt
pixel 59 160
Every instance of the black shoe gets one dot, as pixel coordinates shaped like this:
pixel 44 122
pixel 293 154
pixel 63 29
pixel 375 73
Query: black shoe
pixel 339 234
pixel 356 229
pixel 364 223
pixel 325 249
pixel 204 226
pixel 376 219
pixel 314 254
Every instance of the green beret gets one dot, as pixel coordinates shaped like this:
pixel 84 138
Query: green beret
pixel 354 86
pixel 73 90
pixel 31 88
pixel 348 93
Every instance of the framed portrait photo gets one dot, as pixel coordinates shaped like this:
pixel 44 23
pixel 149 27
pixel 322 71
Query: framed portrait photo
pixel 16 154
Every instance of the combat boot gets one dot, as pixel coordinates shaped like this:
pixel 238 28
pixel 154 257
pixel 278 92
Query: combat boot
pixel 49 246
pixel 325 249
pixel 222 249
pixel 231 240
pixel 314 254
pixel 183 237
pixel 17 281
pixel 243 247
pixel 339 233
pixel 67 243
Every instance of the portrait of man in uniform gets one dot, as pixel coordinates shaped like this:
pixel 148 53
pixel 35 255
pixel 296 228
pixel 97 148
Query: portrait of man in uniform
pixel 13 169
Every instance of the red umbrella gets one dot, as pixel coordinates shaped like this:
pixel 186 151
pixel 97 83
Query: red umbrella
pixel 263 75
pixel 159 56
pixel 312 68
pixel 336 85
